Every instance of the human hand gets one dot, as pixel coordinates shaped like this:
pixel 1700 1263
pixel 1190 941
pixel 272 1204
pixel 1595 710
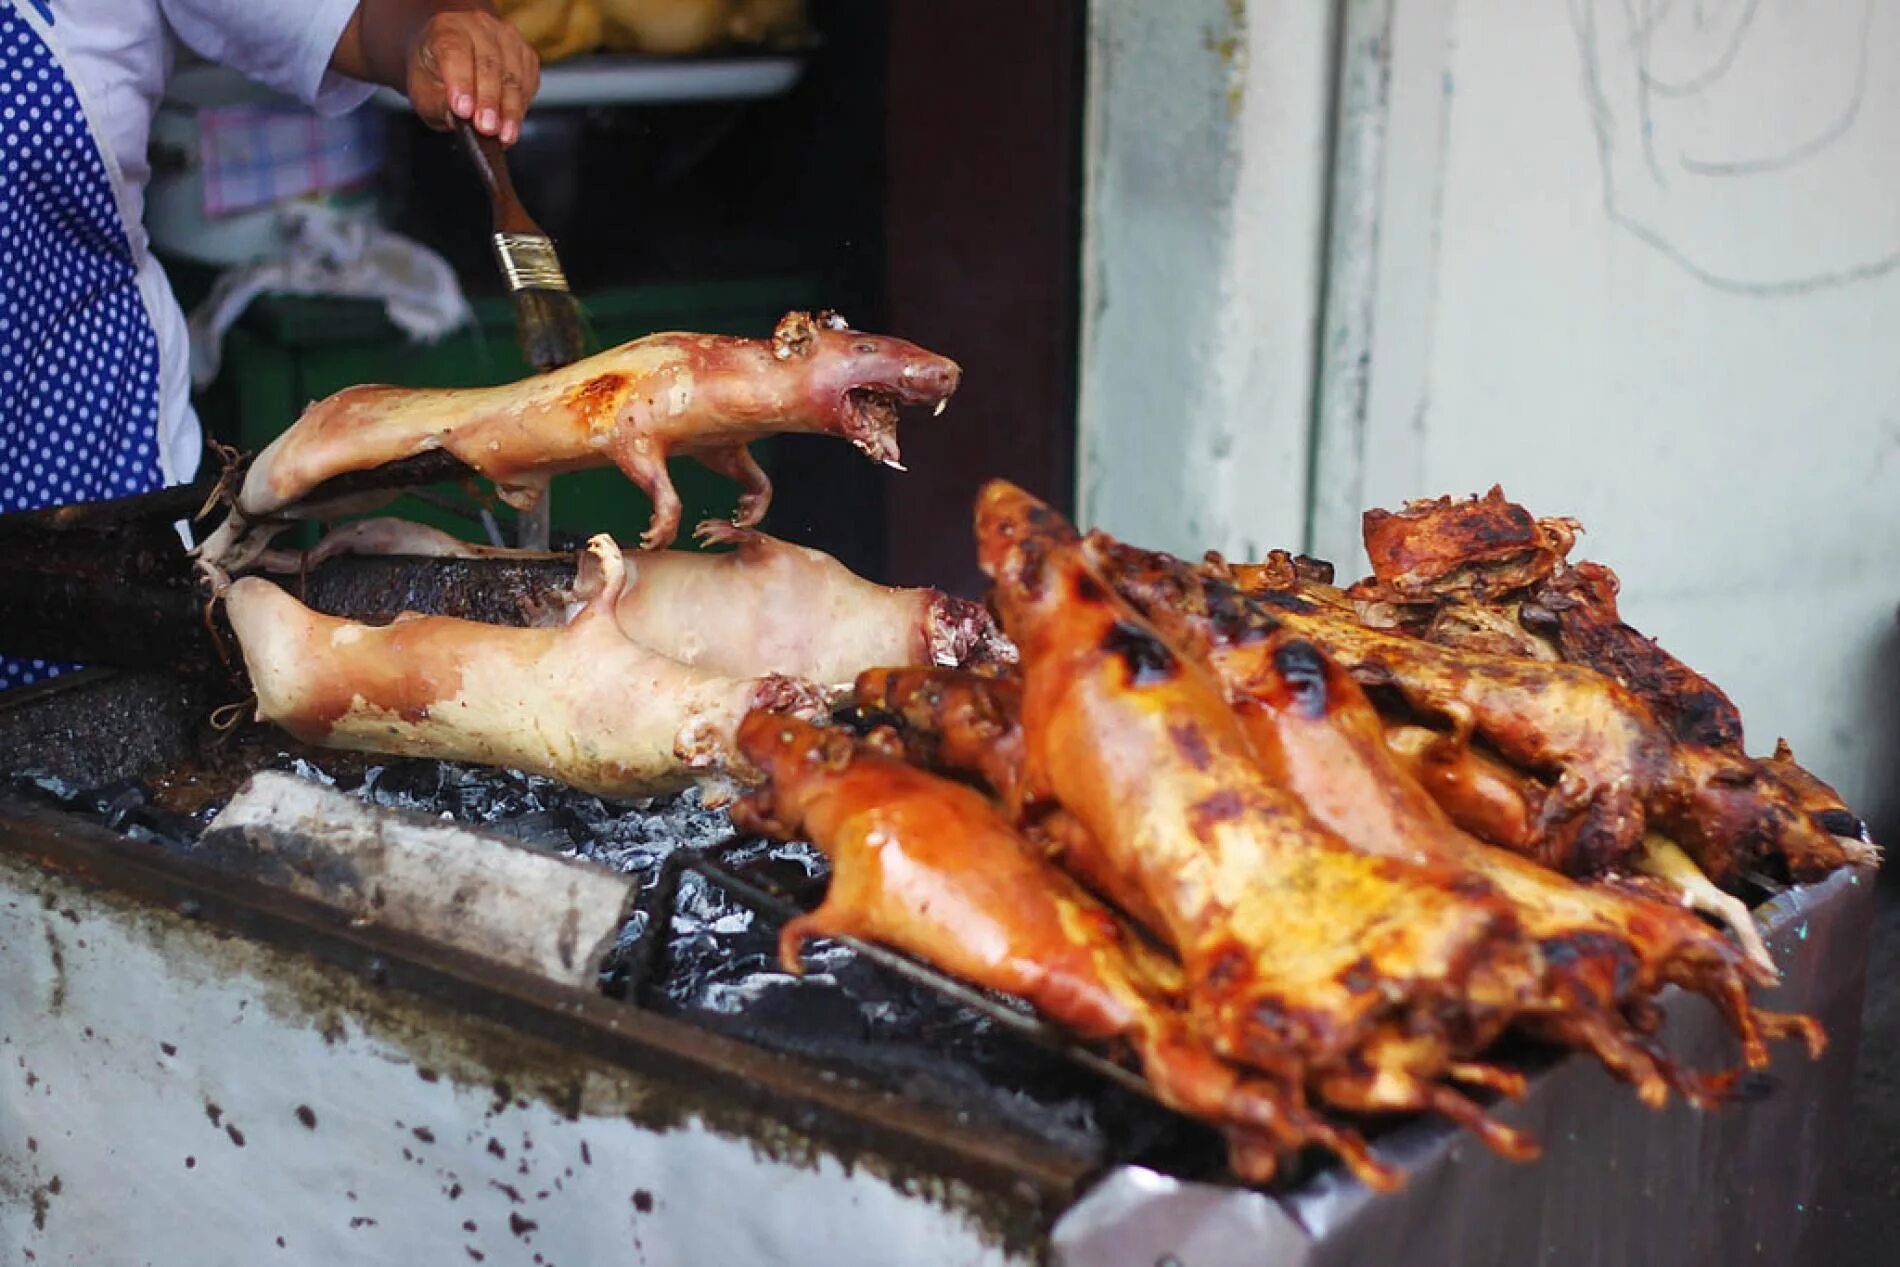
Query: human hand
pixel 470 64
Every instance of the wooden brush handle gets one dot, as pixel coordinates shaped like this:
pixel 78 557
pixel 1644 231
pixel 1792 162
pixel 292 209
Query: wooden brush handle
pixel 485 153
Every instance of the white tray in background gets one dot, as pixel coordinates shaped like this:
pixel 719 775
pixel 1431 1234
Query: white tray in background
pixel 618 80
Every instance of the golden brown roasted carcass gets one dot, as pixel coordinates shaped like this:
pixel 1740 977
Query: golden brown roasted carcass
pixel 1576 609
pixel 953 720
pixel 1821 801
pixel 931 868
pixel 1567 611
pixel 1475 548
pixel 969 724
pixel 1482 574
pixel 1481 794
pixel 1616 771
pixel 699 395
pixel 1368 978
pixel 583 703
pixel 1570 616
pixel 1317 735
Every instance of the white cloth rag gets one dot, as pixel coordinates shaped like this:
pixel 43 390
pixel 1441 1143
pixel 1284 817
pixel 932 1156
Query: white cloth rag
pixel 331 253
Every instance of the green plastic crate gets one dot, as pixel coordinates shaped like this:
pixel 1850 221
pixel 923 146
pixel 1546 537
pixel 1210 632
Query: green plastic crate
pixel 288 351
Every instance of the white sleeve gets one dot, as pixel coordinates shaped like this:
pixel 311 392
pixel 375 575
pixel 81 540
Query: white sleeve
pixel 285 46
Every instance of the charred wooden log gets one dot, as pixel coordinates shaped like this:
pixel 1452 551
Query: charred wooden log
pixel 109 583
pixel 376 589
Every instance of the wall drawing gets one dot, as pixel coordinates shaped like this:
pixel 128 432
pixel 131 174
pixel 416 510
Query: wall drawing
pixel 1754 142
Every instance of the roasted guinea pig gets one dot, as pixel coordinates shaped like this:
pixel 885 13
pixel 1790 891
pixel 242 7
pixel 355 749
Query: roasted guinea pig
pixel 766 606
pixel 1314 733
pixel 797 610
pixel 699 395
pixel 1483 574
pixel 1368 978
pixel 1615 772
pixel 1475 548
pixel 1478 792
pixel 931 868
pixel 969 724
pixel 1181 803
pixel 582 703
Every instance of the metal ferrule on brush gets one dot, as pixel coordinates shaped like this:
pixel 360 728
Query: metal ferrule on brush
pixel 528 262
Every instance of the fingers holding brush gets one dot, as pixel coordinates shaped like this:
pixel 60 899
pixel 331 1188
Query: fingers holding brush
pixel 486 72
pixel 442 74
pixel 455 59
pixel 520 80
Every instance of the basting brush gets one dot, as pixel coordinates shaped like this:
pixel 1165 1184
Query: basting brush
pixel 547 316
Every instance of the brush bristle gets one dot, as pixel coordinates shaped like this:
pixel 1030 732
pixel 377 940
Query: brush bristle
pixel 548 325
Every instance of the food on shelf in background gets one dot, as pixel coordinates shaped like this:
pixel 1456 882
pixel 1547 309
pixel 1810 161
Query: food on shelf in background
pixel 678 28
pixel 1230 761
pixel 556 28
pixel 771 22
pixel 698 395
pixel 561 29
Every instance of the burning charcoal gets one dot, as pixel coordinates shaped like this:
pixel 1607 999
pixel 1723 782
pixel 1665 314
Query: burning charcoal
pixel 624 945
pixel 479 795
pixel 305 770
pixel 49 786
pixel 164 827
pixel 720 968
pixel 809 858
pixel 702 903
pixel 117 803
pixel 584 816
pixel 543 829
pixel 687 821
pixel 124 807
pixel 415 785
pixel 775 998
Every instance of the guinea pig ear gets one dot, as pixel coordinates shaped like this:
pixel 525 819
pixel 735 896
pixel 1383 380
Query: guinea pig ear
pixel 794 335
pixel 831 320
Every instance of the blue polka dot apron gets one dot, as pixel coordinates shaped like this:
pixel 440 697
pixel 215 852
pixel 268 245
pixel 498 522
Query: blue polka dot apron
pixel 78 353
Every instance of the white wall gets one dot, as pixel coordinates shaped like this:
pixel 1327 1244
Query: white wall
pixel 1645 275
pixel 1634 259
pixel 1205 171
